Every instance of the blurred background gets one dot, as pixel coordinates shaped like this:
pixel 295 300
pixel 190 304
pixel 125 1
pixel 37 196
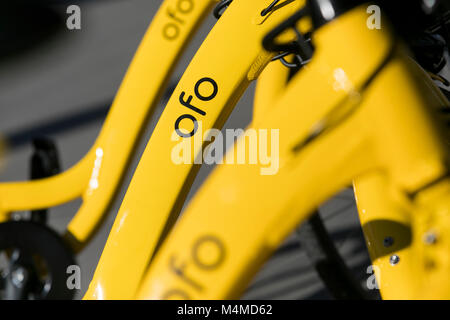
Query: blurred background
pixel 62 89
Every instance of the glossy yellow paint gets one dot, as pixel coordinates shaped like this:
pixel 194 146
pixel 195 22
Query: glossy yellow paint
pixel 431 242
pixel 239 217
pixel 274 77
pixel 386 215
pixel 385 139
pixel 97 176
pixel 36 194
pixel 136 100
pixel 269 86
pixel 159 186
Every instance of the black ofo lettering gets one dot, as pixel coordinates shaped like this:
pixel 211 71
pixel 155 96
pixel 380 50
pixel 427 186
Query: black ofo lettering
pixel 204 85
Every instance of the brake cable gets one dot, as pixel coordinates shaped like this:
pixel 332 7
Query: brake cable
pixel 223 4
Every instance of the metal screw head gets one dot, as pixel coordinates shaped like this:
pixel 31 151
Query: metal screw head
pixel 394 259
pixel 429 264
pixel 18 276
pixel 428 5
pixel 430 238
pixel 388 241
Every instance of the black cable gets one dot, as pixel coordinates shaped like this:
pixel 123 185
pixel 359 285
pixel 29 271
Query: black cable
pixel 319 247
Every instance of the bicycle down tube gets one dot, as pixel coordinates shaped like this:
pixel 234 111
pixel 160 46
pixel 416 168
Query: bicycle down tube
pixel 203 99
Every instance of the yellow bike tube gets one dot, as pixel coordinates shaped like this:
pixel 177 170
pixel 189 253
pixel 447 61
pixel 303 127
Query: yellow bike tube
pixel 230 57
pixel 386 224
pixel 268 87
pixel 239 217
pixel 170 31
pixel 386 217
pixel 44 193
pixel 97 176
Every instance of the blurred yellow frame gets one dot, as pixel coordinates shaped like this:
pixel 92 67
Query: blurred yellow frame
pixel 97 177
pixel 360 110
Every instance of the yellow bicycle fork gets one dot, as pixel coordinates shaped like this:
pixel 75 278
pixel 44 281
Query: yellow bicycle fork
pixel 387 220
pixel 353 121
pixel 386 225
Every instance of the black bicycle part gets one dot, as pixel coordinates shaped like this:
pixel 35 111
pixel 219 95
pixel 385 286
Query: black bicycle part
pixel 37 262
pixel 299 60
pixel 220 7
pixel 446 93
pixel 418 26
pixel 408 17
pixel 441 25
pixel 271 6
pixel 302 48
pixel 26 24
pixel 429 51
pixel 297 63
pixel 44 163
pixel 413 19
pixel 223 4
pixel 326 260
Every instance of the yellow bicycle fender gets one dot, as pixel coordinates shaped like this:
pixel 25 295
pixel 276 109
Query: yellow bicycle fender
pixel 203 99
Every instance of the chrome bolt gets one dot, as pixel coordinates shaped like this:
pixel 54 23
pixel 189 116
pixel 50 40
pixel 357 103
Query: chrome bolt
pixel 394 259
pixel 430 238
pixel 428 5
pixel 18 276
pixel 388 241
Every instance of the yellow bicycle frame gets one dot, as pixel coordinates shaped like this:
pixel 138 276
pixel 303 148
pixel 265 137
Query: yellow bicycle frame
pixel 364 113
pixel 335 126
pixel 206 94
pixel 97 176
pixel 382 218
pixel 387 228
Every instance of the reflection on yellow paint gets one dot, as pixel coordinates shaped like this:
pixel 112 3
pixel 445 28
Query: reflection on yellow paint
pixel 93 182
